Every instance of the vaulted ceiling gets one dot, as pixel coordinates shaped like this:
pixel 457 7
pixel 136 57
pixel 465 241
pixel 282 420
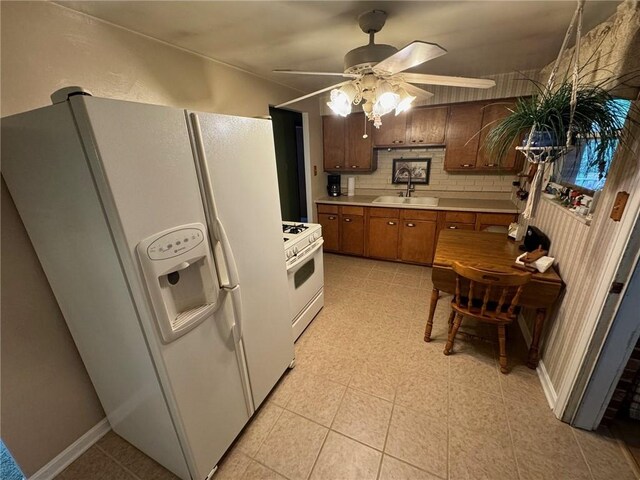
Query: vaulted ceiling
pixel 482 37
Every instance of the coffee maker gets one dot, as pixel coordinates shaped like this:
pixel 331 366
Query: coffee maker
pixel 333 185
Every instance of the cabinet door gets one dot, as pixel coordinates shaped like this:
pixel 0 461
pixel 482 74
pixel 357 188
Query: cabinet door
pixel 417 241
pixel 428 126
pixel 383 237
pixel 359 150
pixel 333 142
pixel 352 234
pixel 485 220
pixel 492 114
pixel 330 231
pixel 392 132
pixel 464 123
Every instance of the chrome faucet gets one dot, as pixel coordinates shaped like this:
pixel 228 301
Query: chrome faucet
pixel 410 186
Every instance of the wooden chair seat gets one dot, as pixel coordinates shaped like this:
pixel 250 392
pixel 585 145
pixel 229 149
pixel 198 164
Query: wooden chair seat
pixel 492 297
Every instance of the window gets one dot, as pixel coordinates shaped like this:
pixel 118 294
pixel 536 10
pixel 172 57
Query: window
pixel 573 171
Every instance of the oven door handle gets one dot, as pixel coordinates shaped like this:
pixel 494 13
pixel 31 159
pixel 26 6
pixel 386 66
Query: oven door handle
pixel 318 244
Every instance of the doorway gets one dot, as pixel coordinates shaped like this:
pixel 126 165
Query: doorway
pixel 290 162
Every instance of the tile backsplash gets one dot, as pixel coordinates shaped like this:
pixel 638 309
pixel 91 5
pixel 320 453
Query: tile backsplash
pixel 439 180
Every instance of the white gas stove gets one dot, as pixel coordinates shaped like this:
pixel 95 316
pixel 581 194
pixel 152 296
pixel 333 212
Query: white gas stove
pixel 303 252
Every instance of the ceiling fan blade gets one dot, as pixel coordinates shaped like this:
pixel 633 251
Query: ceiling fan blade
pixel 410 56
pixel 337 85
pixel 426 79
pixel 330 74
pixel 419 93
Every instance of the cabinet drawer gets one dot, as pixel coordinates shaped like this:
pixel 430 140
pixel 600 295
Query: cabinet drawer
pixel 384 212
pixel 322 208
pixel 459 226
pixel 495 218
pixel 460 217
pixel 352 211
pixel 428 215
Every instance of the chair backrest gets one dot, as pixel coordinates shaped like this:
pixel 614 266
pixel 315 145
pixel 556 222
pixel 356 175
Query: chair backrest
pixel 485 284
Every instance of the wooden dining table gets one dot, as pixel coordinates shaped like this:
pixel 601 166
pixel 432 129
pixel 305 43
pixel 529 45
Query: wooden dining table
pixel 497 252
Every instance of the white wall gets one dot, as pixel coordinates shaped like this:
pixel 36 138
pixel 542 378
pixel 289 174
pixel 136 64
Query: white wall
pixel 47 399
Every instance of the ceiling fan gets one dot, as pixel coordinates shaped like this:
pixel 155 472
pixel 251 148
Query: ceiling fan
pixel 375 73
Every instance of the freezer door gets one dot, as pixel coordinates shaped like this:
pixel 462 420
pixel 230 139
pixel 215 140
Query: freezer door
pixel 240 160
pixel 142 158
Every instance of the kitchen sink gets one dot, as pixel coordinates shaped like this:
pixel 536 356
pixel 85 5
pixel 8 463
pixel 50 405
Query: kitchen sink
pixel 390 200
pixel 427 201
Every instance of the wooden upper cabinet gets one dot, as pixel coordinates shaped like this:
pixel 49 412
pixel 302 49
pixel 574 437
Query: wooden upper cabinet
pixel 392 132
pixel 359 155
pixel 427 126
pixel 419 126
pixel 465 121
pixel 333 142
pixel 493 112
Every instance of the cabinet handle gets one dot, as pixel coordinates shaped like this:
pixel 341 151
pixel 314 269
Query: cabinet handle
pixel 354 166
pixel 332 218
pixel 338 166
pixel 391 223
pixel 453 227
pixel 347 219
pixel 466 165
pixel 490 164
pixel 411 224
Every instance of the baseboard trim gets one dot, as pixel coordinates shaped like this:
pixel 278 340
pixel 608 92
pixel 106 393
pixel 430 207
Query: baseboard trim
pixel 547 386
pixel 72 452
pixel 545 381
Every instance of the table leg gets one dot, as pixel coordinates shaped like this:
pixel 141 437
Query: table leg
pixel 435 294
pixel 532 361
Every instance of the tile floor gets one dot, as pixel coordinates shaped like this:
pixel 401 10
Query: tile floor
pixel 368 399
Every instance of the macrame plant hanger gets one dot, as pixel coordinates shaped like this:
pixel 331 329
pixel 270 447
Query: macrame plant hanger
pixel 545 155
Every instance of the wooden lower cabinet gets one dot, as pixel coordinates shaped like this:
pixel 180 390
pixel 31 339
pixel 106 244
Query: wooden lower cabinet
pixel 418 240
pixel 382 237
pixel 352 234
pixel 330 223
pixel 405 235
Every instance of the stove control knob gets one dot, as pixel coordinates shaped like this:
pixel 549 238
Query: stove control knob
pixel 295 250
pixel 311 238
pixel 288 253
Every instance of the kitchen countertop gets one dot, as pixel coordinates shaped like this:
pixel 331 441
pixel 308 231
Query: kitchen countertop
pixel 458 204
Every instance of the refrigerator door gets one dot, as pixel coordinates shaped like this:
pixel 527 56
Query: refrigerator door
pixel 241 176
pixel 142 159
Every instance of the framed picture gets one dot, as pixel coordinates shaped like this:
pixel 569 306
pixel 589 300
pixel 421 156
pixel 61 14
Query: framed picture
pixel 419 168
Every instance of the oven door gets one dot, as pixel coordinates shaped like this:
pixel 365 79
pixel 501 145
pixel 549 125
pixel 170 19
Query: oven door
pixel 306 277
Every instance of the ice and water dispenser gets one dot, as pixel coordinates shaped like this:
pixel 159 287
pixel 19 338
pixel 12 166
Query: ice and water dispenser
pixel 180 276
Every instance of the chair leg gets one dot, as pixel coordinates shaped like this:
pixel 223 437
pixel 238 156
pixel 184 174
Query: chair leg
pixel 435 294
pixel 452 334
pixel 502 340
pixel 452 315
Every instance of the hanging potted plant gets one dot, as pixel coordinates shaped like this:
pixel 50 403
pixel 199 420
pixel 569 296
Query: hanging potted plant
pixel 546 126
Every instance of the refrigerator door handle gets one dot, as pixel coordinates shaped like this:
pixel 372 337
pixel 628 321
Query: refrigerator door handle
pixel 229 259
pixel 216 227
pixel 236 302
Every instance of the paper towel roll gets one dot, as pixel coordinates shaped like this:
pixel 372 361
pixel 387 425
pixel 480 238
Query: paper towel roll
pixel 351 186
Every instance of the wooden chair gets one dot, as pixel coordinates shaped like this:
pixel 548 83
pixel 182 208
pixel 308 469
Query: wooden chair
pixel 485 286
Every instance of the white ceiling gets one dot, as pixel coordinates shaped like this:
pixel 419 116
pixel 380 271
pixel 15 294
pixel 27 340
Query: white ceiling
pixel 482 37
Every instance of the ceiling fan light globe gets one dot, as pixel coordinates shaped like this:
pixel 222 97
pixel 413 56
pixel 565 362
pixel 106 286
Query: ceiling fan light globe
pixel 340 102
pixel 405 101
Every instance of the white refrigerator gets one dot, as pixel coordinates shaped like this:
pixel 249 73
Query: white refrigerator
pixel 159 231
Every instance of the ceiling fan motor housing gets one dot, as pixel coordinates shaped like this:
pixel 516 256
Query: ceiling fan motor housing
pixel 365 57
